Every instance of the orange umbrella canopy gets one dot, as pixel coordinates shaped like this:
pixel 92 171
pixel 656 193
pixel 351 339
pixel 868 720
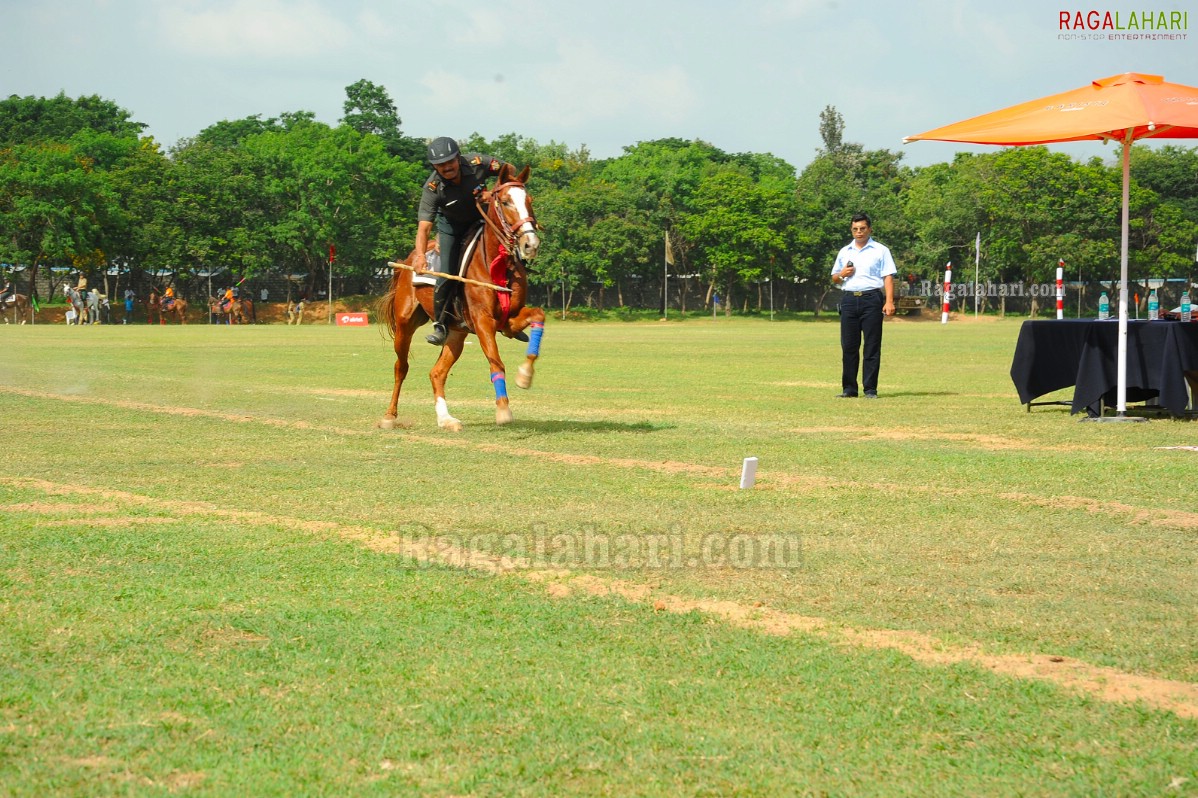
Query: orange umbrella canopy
pixel 1106 109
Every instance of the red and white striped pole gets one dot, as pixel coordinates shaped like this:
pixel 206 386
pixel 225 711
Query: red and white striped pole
pixel 948 291
pixel 1061 289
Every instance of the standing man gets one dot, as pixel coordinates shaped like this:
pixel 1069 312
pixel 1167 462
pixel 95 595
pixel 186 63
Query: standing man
pixel 448 201
pixel 864 270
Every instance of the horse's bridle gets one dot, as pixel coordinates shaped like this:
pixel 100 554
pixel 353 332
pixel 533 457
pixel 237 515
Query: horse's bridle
pixel 508 233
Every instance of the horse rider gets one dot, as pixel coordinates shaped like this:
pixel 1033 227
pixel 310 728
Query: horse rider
pixel 226 303
pixel 448 201
pixel 9 294
pixel 81 285
pixel 168 298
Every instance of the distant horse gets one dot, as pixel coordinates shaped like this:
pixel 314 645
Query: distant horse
pixel 155 309
pixel 239 311
pixel 498 256
pixel 19 305
pixel 78 303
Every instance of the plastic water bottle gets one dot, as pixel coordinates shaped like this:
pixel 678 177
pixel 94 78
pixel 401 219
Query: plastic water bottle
pixel 1185 306
pixel 1104 307
pixel 1154 306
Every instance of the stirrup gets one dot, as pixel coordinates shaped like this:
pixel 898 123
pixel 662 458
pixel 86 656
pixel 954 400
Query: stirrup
pixel 438 335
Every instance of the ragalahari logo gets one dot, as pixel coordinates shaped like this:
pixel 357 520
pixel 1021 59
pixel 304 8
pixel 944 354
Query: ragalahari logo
pixel 1123 25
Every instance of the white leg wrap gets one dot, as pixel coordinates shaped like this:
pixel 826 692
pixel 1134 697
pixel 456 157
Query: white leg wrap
pixel 444 419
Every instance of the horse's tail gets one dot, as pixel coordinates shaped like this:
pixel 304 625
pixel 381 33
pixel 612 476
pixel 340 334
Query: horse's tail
pixel 384 309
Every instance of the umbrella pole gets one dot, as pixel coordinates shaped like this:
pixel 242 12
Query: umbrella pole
pixel 1121 385
pixel 1121 403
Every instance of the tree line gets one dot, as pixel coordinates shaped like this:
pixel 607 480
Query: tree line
pixel 81 186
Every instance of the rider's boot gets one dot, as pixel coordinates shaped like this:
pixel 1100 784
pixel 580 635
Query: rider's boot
pixel 440 300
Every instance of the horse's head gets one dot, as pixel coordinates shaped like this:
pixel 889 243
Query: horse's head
pixel 512 204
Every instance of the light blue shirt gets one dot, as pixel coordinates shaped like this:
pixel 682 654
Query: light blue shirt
pixel 872 262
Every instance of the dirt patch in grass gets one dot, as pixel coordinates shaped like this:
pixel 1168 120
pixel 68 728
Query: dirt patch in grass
pixel 1107 684
pixel 1174 519
pixel 989 442
pixel 64 508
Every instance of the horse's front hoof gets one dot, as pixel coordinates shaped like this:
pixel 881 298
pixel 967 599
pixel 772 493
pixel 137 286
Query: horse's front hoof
pixel 503 415
pixel 524 377
pixel 388 422
pixel 450 424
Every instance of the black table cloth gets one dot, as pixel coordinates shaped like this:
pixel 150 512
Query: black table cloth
pixel 1051 355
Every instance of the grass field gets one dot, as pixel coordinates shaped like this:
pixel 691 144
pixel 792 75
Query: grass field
pixel 218 577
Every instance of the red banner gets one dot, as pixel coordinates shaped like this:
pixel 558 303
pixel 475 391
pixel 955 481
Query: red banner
pixel 353 319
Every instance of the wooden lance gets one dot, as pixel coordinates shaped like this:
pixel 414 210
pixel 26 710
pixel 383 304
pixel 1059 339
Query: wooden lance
pixel 413 269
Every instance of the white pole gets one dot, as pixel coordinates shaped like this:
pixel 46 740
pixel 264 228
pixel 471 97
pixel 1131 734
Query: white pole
pixel 948 292
pixel 1060 289
pixel 1121 402
pixel 665 285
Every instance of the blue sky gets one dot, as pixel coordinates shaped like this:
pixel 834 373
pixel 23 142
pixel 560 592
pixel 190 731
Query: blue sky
pixel 745 76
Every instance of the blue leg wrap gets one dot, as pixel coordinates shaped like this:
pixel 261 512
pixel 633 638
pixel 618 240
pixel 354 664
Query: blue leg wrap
pixel 500 383
pixel 534 338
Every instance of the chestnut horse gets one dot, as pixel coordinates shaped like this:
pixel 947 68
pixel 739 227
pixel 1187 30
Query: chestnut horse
pixel 154 309
pixel 500 256
pixel 19 304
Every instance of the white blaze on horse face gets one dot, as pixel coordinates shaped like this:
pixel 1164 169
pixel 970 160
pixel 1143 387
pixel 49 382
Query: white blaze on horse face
pixel 528 241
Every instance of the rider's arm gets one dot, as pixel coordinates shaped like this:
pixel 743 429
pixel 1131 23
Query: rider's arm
pixel 423 230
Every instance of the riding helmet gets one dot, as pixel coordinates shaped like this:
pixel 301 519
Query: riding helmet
pixel 442 150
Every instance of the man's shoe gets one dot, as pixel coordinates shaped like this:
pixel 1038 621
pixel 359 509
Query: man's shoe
pixel 438 335
pixel 871 394
pixel 521 336
pixel 846 395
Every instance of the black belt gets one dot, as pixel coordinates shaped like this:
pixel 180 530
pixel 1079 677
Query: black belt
pixel 863 293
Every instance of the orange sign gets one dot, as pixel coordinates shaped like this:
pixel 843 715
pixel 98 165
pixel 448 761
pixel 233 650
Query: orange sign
pixel 353 319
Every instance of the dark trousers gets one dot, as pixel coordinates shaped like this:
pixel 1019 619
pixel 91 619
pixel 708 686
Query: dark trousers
pixel 861 317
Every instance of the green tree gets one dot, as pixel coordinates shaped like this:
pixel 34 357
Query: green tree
pixel 735 225
pixel 552 164
pixel 54 205
pixel 30 119
pixel 831 129
pixel 230 133
pixel 325 186
pixel 369 110
pixel 599 236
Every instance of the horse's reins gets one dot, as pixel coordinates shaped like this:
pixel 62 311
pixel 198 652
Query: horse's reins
pixel 509 233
